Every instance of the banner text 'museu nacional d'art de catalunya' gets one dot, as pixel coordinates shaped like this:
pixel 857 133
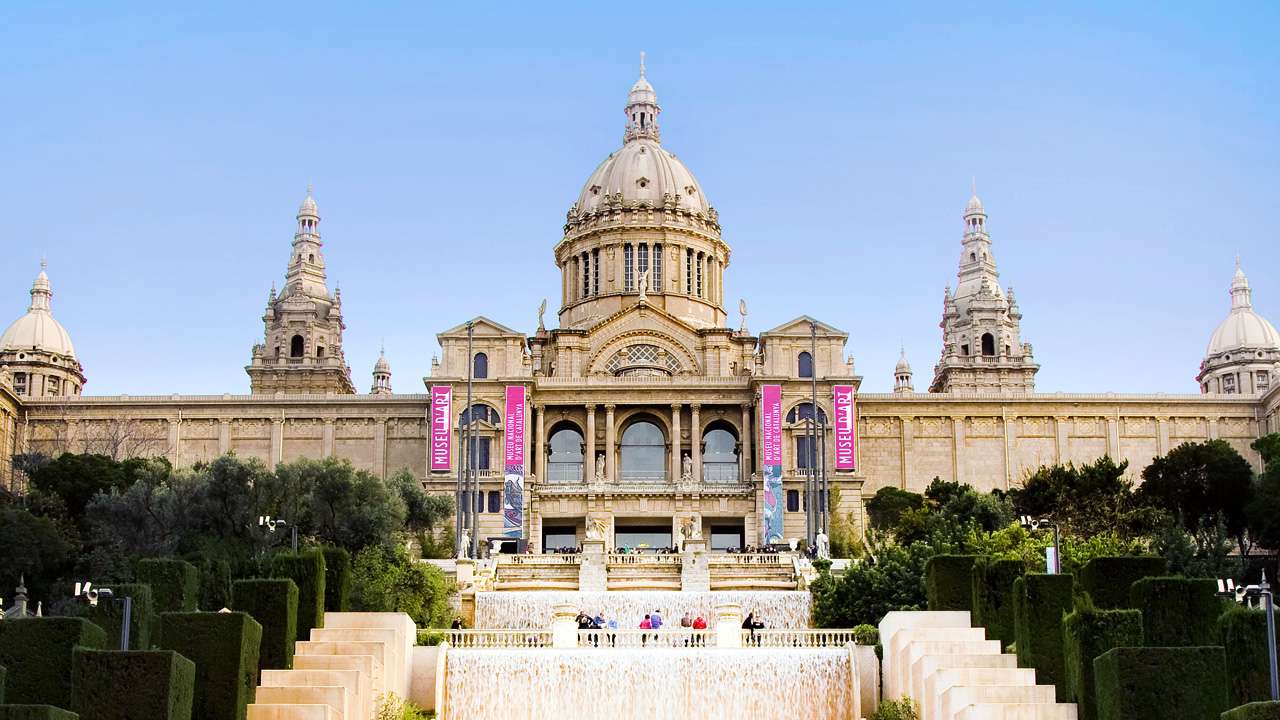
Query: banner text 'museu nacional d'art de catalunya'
pixel 441 430
pixel 846 427
pixel 771 459
pixel 513 463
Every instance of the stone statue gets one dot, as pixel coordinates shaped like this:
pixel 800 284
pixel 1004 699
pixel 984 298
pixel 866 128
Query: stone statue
pixel 599 468
pixel 644 285
pixel 542 309
pixel 742 310
pixel 464 547
pixel 823 544
pixel 686 467
pixel 695 524
pixel 598 529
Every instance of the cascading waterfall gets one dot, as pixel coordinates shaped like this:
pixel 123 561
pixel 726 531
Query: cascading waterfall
pixel 532 609
pixel 655 684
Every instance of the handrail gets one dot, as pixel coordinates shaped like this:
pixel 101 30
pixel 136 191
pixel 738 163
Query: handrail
pixel 661 638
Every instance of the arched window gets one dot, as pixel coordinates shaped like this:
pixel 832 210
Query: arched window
pixel 480 413
pixel 988 345
pixel 644 457
pixel 804 411
pixel 319 351
pixel 720 454
pixel 480 366
pixel 295 346
pixel 805 365
pixel 564 455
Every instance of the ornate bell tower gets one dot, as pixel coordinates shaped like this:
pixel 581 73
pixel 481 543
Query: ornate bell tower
pixel 303 325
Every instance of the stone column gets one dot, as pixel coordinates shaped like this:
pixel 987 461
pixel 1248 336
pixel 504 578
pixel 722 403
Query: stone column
pixel 328 437
pixel 589 459
pixel 540 443
pixel 1162 435
pixel 957 446
pixel 380 448
pixel 695 441
pixel 175 439
pixel 1060 437
pixel 904 451
pixel 610 452
pixel 224 437
pixel 728 627
pixel 744 457
pixel 676 461
pixel 277 440
pixel 564 629
pixel 1213 428
pixel 1113 438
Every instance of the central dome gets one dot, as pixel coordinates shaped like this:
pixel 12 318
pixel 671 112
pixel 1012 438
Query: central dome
pixel 642 173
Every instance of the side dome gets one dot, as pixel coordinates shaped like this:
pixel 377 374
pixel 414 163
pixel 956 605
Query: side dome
pixel 38 330
pixel 642 173
pixel 1243 329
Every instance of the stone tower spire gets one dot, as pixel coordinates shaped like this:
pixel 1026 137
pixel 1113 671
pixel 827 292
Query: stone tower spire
pixel 302 352
pixel 642 110
pixel 1243 355
pixel 982 350
pixel 381 375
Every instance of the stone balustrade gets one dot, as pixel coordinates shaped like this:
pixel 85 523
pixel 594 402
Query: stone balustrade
pixel 780 638
pixel 643 559
pixel 499 638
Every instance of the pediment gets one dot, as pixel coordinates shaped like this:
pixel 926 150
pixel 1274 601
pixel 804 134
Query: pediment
pixel 643 325
pixel 800 326
pixel 482 327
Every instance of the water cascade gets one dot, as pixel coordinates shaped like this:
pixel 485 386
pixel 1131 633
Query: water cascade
pixel 532 609
pixel 655 684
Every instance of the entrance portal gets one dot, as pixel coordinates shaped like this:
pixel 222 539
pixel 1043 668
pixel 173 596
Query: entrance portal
pixel 727 535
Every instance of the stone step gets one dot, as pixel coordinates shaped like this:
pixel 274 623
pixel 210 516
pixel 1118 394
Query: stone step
pixel 912 678
pixel 262 711
pixel 332 695
pixel 374 650
pixel 899 647
pixel 354 704
pixel 955 699
pixel 1018 711
pixel 395 658
pixel 941 679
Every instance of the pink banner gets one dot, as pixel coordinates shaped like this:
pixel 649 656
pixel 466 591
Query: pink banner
pixel 513 428
pixel 846 427
pixel 441 427
pixel 771 424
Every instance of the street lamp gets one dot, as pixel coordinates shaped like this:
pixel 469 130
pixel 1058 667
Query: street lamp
pixel 1228 588
pixel 1053 565
pixel 91 595
pixel 270 524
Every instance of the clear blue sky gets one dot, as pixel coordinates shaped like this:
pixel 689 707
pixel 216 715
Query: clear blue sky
pixel 157 153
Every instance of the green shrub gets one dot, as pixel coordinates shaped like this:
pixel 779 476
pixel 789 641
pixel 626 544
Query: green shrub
pixel 35 712
pixel 949 582
pixel 224 647
pixel 215 583
pixel 1243 632
pixel 866 635
pixel 903 709
pixel 306 570
pixel 175 587
pixel 1161 683
pixel 337 579
pixel 1107 579
pixel 108 615
pixel 2 672
pixel 1087 633
pixel 273 602
pixel 153 684
pixel 993 597
pixel 1266 710
pixel 38 655
pixel 1176 611
pixel 1039 604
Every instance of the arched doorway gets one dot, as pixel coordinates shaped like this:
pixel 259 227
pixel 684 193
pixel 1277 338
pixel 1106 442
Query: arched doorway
pixel 644 453
pixel 720 454
pixel 564 454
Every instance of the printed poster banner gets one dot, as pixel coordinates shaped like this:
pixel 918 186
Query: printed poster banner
pixel 771 451
pixel 513 463
pixel 846 428
pixel 441 427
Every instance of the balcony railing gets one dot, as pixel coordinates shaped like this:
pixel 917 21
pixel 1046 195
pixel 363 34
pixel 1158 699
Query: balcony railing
pixel 770 559
pixel 798 638
pixel 631 638
pixel 555 559
pixel 562 473
pixel 643 559
pixel 721 472
pixel 642 477
pixel 499 638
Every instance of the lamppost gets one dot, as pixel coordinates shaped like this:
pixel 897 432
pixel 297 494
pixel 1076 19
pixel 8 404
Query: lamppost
pixel 1053 565
pixel 91 595
pixel 1228 588
pixel 271 524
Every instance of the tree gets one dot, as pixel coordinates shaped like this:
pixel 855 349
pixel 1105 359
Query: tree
pixel 350 508
pixel 76 479
pixel 1268 446
pixel 423 512
pixel 1199 483
pixel 386 579
pixel 1263 511
pixel 891 579
pixel 1083 500
pixel 39 549
pixel 888 504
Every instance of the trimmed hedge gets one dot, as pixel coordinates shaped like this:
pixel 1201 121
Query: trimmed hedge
pixel 1243 632
pixel 273 602
pixel 1267 710
pixel 215 583
pixel 108 615
pixel 1161 683
pixel 337 579
pixel 152 684
pixel 175 587
pixel 38 654
pixel 306 570
pixel 1039 603
pixel 35 712
pixel 224 647
pixel 1107 579
pixel 949 583
pixel 993 597
pixel 2 671
pixel 1086 634
pixel 1177 611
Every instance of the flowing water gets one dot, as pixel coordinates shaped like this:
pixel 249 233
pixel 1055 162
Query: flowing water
pixel 653 684
pixel 528 610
